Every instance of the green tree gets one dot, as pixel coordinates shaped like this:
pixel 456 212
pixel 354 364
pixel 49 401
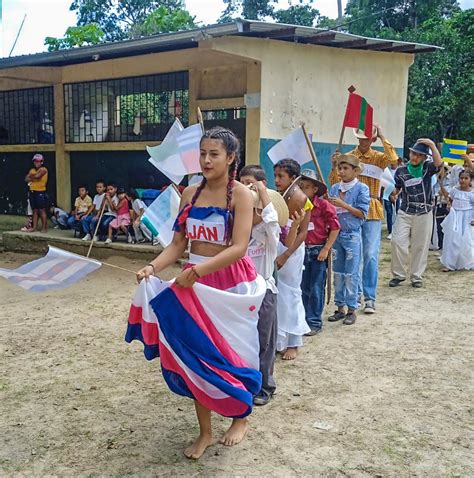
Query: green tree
pixel 441 84
pixel 163 20
pixel 248 9
pixel 76 36
pixel 117 18
pixel 302 14
pixel 372 17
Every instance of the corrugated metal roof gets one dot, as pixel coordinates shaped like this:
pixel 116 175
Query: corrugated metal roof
pixel 191 38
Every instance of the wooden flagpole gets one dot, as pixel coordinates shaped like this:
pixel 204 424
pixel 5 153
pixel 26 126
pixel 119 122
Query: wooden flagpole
pixel 102 209
pixel 313 154
pixel 200 119
pixel 351 89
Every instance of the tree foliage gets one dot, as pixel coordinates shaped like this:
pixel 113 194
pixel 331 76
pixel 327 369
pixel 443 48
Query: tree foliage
pixel 164 20
pixel 118 18
pixel 76 36
pixel 373 17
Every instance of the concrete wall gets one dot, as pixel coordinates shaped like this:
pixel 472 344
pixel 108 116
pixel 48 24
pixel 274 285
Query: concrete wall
pixel 308 83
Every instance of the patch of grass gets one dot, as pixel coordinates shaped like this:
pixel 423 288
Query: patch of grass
pixel 11 223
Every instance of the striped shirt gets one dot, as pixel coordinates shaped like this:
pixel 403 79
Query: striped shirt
pixel 375 158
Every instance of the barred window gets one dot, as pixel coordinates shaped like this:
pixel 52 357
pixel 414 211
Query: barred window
pixel 138 108
pixel 26 116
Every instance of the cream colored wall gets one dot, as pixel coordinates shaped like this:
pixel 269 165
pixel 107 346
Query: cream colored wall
pixel 308 83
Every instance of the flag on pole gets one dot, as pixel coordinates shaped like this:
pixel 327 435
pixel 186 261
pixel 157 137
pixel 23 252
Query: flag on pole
pixel 57 270
pixel 178 154
pixel 293 146
pixel 453 149
pixel 387 182
pixel 160 215
pixel 359 114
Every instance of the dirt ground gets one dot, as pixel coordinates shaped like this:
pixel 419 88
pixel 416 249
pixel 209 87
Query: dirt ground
pixel 395 388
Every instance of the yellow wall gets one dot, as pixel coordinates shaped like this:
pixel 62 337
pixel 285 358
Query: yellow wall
pixel 308 83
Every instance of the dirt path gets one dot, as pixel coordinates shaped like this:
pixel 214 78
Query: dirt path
pixel 396 388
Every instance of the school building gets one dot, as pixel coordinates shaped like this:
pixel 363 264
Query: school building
pixel 92 110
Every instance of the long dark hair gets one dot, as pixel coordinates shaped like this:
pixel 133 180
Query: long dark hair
pixel 232 146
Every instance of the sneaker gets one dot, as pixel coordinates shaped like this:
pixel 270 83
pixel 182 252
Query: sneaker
pixel 369 307
pixel 130 239
pixel 313 332
pixel 87 237
pixel 350 318
pixel 389 237
pixel 262 398
pixel 417 284
pixel 108 241
pixel 336 316
pixel 96 238
pixel 56 227
pixel 395 282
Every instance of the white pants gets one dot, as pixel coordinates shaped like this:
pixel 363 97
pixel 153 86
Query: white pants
pixel 413 232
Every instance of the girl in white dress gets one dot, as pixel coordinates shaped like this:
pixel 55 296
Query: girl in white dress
pixel 458 227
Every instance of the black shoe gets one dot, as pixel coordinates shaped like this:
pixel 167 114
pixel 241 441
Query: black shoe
pixel 336 316
pixel 313 332
pixel 417 284
pixel 262 398
pixel 350 318
pixel 395 282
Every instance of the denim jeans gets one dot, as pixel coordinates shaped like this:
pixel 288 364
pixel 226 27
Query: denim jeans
pixel 313 286
pixel 75 224
pixel 371 235
pixel 346 264
pixel 87 225
pixel 60 221
pixel 104 225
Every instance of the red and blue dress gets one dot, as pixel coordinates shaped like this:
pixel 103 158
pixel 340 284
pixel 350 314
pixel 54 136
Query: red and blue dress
pixel 206 336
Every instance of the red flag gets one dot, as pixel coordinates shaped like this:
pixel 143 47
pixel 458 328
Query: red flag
pixel 359 114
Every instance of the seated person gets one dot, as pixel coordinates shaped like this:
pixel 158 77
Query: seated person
pixel 81 206
pixel 136 212
pixel 59 217
pixel 122 221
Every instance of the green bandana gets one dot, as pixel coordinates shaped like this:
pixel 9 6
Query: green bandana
pixel 415 171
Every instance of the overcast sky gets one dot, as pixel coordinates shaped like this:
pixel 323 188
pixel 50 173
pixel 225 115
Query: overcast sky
pixel 52 17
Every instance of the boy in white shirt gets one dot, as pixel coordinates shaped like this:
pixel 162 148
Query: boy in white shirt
pixel 262 250
pixel 137 211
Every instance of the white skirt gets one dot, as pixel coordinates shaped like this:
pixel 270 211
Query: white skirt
pixel 458 244
pixel 290 309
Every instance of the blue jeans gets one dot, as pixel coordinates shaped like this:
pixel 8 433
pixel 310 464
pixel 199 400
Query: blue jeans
pixel 104 225
pixel 346 264
pixel 371 234
pixel 74 224
pixel 313 286
pixel 87 223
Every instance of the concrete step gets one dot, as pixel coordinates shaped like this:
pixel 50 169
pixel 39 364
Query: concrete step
pixel 37 242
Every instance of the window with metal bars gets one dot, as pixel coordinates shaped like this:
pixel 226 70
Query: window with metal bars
pixel 26 116
pixel 140 108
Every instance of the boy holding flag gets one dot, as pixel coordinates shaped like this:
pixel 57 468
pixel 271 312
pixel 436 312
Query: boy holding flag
pixel 373 163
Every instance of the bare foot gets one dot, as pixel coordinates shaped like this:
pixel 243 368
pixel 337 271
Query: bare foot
pixel 196 450
pixel 445 269
pixel 236 432
pixel 290 353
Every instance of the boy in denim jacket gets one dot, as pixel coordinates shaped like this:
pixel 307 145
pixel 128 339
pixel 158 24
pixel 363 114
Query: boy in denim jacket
pixel 351 199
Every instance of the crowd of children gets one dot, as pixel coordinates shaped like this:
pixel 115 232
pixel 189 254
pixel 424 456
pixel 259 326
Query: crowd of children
pixel 291 250
pixel 122 212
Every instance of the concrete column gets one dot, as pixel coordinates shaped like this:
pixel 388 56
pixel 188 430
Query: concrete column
pixel 252 124
pixel 63 163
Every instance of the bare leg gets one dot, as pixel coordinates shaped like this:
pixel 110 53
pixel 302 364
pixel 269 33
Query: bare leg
pixel 236 432
pixel 204 440
pixel 44 220
pixel 110 232
pixel 35 220
pixel 290 353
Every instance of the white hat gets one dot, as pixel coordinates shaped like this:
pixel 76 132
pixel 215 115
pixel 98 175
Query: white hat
pixel 360 133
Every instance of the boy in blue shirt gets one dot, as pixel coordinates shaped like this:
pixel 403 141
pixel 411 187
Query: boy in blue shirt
pixel 351 199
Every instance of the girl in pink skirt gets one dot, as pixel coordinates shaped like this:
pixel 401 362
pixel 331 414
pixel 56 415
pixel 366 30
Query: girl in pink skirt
pixel 122 221
pixel 204 325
